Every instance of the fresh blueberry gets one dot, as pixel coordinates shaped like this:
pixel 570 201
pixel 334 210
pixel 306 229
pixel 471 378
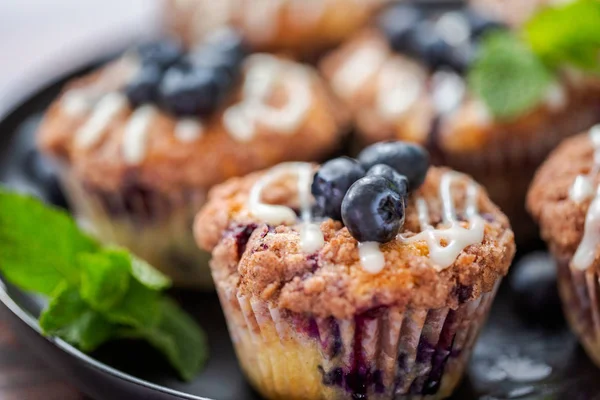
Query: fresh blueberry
pixel 143 88
pixel 480 24
pixel 372 210
pixel 407 159
pixel 400 181
pixel 396 23
pixel 162 54
pixel 332 181
pixel 224 50
pixel 533 283
pixel 41 172
pixel 187 90
pixel 426 44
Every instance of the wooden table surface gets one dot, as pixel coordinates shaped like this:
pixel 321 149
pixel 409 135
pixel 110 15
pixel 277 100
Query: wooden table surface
pixel 23 376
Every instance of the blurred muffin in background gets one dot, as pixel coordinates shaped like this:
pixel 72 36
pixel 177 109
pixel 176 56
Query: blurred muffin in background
pixel 565 200
pixel 384 305
pixel 301 27
pixel 437 77
pixel 140 141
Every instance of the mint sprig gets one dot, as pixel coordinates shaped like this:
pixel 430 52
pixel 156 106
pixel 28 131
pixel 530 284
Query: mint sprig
pixel 514 71
pixel 96 293
pixel 508 76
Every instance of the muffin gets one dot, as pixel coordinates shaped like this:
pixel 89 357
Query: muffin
pixel 141 140
pixel 563 199
pixel 401 79
pixel 315 313
pixel 297 26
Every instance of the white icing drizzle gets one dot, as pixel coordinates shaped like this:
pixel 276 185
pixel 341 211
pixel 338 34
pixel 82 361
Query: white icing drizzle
pixel 457 237
pixel 356 71
pixel 371 257
pixel 582 188
pixel 135 136
pixel 188 130
pixel 399 88
pixel 106 110
pixel 263 73
pixel 448 91
pixel 79 101
pixel 580 191
pixel 311 237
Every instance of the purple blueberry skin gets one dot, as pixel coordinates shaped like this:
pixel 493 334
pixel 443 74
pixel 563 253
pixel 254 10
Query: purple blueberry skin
pixel 407 159
pixel 372 210
pixel 332 181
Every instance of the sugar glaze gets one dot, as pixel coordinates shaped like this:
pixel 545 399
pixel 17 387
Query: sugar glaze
pixel 582 190
pixel 311 237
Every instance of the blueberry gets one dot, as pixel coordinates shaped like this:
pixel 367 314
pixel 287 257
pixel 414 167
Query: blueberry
pixel 400 181
pixel 162 54
pixel 143 88
pixel 372 210
pixel 396 23
pixel 480 24
pixel 187 90
pixel 224 50
pixel 332 181
pixel 42 173
pixel 407 159
pixel 426 44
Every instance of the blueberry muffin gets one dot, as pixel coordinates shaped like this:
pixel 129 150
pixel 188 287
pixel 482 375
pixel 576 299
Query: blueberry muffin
pixel 301 27
pixel 376 286
pixel 564 199
pixel 409 77
pixel 140 141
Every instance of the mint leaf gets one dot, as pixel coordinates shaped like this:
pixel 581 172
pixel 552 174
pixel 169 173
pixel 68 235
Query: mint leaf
pixel 178 337
pixel 509 78
pixel 567 34
pixel 147 275
pixel 67 316
pixel 140 307
pixel 96 294
pixel 39 245
pixel 104 278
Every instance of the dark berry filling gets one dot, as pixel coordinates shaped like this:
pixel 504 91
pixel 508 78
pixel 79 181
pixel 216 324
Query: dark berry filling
pixel 241 235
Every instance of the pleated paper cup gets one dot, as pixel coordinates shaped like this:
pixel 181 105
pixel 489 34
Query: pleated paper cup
pixel 580 294
pixel 156 227
pixel 384 353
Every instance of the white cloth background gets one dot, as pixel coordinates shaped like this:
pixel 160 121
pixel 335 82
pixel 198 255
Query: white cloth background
pixel 41 40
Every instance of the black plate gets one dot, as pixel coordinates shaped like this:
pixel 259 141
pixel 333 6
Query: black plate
pixel 525 351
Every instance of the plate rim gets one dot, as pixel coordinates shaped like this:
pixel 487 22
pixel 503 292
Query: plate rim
pixel 8 120
pixel 32 322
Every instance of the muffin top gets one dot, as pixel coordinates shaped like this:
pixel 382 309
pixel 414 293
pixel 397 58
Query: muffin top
pixel 296 26
pixel 168 120
pixel 563 198
pixel 427 75
pixel 454 245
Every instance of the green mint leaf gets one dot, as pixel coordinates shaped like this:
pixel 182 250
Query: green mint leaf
pixel 147 275
pixel 180 339
pixel 140 307
pixel 509 78
pixel 68 317
pixel 567 34
pixel 96 294
pixel 105 278
pixel 39 245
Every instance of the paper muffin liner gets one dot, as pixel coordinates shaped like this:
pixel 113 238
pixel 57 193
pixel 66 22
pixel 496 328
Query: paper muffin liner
pixel 580 294
pixel 506 167
pixel 154 226
pixel 385 353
